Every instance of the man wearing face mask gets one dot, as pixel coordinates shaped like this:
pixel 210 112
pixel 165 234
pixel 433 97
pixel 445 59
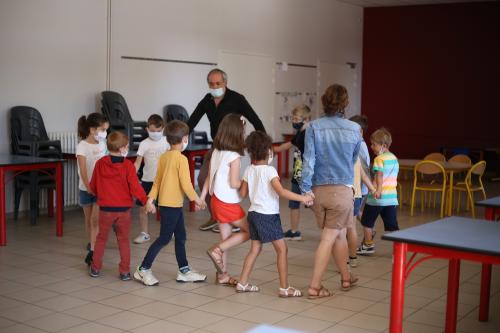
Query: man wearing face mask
pixel 216 104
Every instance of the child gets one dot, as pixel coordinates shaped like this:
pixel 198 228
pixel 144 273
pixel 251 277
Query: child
pixel 384 201
pixel 261 182
pixel 115 183
pixel 92 146
pixel 300 118
pixel 223 183
pixel 172 181
pixel 149 150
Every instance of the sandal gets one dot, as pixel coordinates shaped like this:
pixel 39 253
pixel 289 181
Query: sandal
pixel 226 280
pixel 215 254
pixel 345 285
pixel 289 292
pixel 318 293
pixel 246 288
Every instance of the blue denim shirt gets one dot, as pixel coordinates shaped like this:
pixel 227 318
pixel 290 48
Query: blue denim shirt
pixel 331 148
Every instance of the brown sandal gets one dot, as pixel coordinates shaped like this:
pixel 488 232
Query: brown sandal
pixel 345 285
pixel 318 293
pixel 226 280
pixel 215 254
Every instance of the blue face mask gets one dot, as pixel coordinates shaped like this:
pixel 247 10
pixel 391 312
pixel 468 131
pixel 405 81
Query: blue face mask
pixel 298 126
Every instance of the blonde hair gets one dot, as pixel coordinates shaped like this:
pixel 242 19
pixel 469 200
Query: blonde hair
pixel 382 136
pixel 301 110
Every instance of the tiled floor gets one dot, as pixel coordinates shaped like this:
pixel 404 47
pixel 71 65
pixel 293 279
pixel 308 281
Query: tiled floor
pixel 44 287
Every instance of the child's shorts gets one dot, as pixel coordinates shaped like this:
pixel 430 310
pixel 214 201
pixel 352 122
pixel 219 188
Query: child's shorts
pixel 295 189
pixel 264 227
pixel 224 212
pixel 147 187
pixel 358 202
pixel 387 213
pixel 87 199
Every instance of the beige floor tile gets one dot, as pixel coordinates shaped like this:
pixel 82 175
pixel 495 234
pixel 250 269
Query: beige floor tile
pixel 126 301
pixel 37 280
pixel 368 322
pixel 326 313
pixel 195 318
pixel 427 317
pixel 230 325
pixel 123 286
pixel 189 300
pixel 25 312
pixel 92 311
pixel 251 298
pixel 32 295
pixel 55 322
pixel 384 310
pixel 347 329
pixel 440 306
pixel 367 294
pixel 91 327
pixel 348 303
pixel 304 324
pixel 262 315
pixel 159 310
pixel 225 308
pixel 162 326
pixel 61 303
pixel 410 327
pixel 288 305
pixel 156 292
pixel 9 303
pixel 472 325
pixel 126 320
pixel 216 291
pixel 21 328
pixel 6 323
pixel 65 287
pixel 95 294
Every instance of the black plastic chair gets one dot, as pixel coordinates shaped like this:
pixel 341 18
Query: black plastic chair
pixel 115 108
pixel 29 138
pixel 175 112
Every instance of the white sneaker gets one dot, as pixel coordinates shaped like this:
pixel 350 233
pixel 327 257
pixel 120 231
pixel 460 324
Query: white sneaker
pixel 146 277
pixel 142 238
pixel 190 276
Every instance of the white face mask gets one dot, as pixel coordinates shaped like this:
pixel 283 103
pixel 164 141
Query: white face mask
pixel 101 136
pixel 218 92
pixel 184 145
pixel 270 158
pixel 124 153
pixel 155 136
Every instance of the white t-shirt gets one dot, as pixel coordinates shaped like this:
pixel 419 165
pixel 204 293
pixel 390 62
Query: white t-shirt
pixel 92 152
pixel 151 151
pixel 263 197
pixel 219 176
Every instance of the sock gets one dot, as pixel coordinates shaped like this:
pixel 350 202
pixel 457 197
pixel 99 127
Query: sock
pixel 184 270
pixel 368 243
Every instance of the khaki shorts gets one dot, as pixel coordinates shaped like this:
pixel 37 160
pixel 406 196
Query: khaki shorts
pixel 333 206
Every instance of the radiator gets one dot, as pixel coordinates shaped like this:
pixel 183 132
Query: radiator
pixel 69 140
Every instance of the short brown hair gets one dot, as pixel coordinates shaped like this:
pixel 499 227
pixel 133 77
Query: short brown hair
pixel 335 99
pixel 361 120
pixel 116 140
pixel 382 136
pixel 258 145
pixel 301 110
pixel 175 131
pixel 230 135
pixel 156 120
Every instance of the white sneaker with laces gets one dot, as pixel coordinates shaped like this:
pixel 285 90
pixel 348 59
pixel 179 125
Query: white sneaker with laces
pixel 142 238
pixel 146 277
pixel 190 276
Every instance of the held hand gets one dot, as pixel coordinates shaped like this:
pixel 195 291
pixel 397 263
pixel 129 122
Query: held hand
pixel 308 199
pixel 200 204
pixel 150 208
pixel 377 194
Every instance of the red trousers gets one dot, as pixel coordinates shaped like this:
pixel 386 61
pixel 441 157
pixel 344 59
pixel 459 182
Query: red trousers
pixel 122 222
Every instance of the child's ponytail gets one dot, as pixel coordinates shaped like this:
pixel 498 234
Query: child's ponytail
pixel 83 128
pixel 93 120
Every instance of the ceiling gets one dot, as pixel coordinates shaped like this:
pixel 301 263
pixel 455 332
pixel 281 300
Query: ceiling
pixel 387 3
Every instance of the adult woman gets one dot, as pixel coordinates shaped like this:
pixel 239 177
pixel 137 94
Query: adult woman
pixel 331 148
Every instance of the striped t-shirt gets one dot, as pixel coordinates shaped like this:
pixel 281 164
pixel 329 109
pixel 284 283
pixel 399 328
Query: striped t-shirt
pixel 387 163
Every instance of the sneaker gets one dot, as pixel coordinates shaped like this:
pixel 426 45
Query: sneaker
pixel 217 230
pixel 290 235
pixel 145 276
pixel 208 225
pixel 142 238
pixel 353 261
pixel 88 258
pixel 365 249
pixel 125 277
pixel 93 272
pixel 190 276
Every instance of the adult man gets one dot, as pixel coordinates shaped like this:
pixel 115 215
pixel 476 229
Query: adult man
pixel 216 104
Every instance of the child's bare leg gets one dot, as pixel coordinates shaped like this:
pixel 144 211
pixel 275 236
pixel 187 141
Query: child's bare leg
pixel 352 239
pixel 143 221
pixel 236 238
pixel 282 261
pixel 252 255
pixel 87 212
pixel 368 234
pixel 294 219
pixel 226 231
pixel 94 225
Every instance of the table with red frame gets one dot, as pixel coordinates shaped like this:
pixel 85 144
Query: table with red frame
pixel 491 209
pixel 453 239
pixel 19 164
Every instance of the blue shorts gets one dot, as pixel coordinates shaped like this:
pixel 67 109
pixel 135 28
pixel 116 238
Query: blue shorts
pixel 147 187
pixel 295 189
pixel 87 199
pixel 357 205
pixel 387 213
pixel 264 227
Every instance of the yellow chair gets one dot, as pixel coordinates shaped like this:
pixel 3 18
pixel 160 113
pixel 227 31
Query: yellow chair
pixel 438 157
pixel 473 183
pixel 461 158
pixel 421 183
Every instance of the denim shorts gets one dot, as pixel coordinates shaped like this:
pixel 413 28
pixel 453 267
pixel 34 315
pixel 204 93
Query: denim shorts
pixel 295 189
pixel 387 213
pixel 265 227
pixel 147 187
pixel 87 199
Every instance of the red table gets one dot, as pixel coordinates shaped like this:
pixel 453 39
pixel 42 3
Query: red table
pixel 453 239
pixel 19 164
